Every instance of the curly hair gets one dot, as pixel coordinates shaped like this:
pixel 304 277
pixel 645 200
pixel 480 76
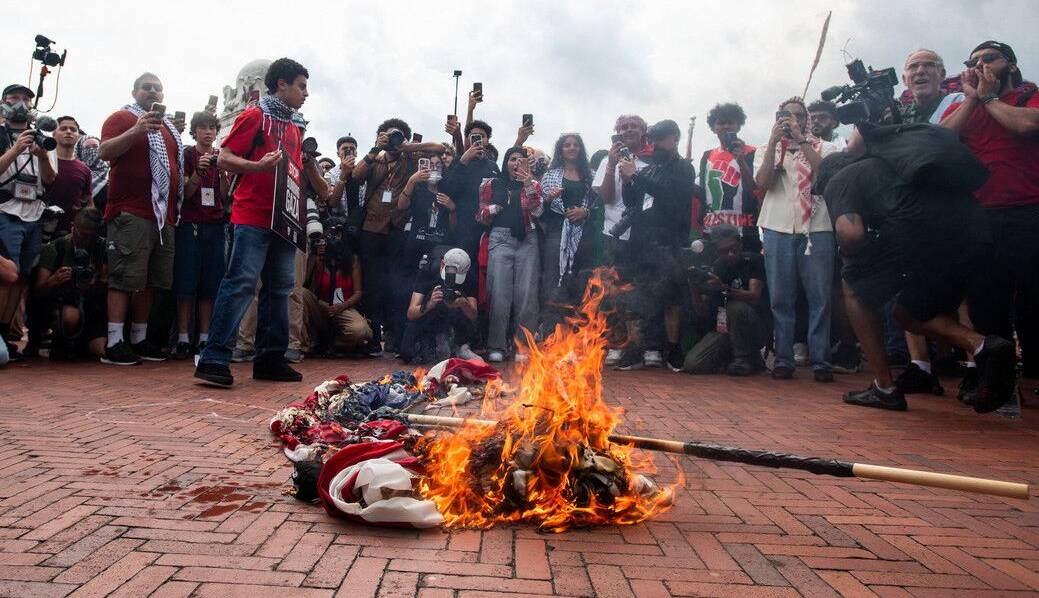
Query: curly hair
pixel 478 124
pixel 395 123
pixel 283 69
pixel 728 113
pixel 823 106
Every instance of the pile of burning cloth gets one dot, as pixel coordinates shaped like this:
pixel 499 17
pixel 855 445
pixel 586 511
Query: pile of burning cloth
pixel 353 450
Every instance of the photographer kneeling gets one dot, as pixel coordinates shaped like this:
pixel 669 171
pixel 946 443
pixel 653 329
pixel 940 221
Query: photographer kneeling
pixel 730 296
pixel 71 281
pixel 329 297
pixel 442 311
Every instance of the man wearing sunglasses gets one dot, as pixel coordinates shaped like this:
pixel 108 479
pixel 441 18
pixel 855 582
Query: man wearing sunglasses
pixel 999 121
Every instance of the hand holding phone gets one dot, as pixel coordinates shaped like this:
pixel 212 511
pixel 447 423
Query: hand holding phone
pixel 158 109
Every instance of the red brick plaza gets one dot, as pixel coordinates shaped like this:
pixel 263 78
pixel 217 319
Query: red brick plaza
pixel 135 482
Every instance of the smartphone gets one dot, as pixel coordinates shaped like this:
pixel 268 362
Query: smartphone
pixel 212 102
pixel 781 114
pixel 727 139
pixel 617 139
pixel 476 139
pixel 416 137
pixel 159 109
pixel 478 88
pixel 528 120
pixel 451 118
pixel 423 163
pixel 179 115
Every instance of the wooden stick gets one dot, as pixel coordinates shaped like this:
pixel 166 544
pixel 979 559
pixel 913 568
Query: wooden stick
pixel 831 467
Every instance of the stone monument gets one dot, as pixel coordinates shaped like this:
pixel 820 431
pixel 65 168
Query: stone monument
pixel 248 89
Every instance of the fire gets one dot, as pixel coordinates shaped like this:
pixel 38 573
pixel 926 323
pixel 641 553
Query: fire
pixel 549 460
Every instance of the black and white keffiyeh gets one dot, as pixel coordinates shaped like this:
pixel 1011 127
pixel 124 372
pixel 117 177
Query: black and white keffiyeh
pixel 275 108
pixel 572 231
pixel 91 156
pixel 161 167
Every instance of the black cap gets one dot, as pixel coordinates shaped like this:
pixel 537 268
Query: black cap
pixel 16 87
pixel 663 129
pixel 724 231
pixel 1000 47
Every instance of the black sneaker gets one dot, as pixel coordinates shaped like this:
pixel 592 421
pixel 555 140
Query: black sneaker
pixel 740 367
pixel 275 370
pixel 675 357
pixel 149 351
pixel 997 363
pixel 214 373
pixel 822 375
pixel 847 359
pixel 13 354
pixel 183 351
pixel 897 359
pixel 874 397
pixel 969 386
pixel 914 380
pixel 631 360
pixel 782 372
pixel 120 354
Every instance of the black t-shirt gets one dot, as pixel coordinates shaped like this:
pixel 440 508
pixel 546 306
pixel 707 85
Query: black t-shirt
pixel 738 276
pixel 427 280
pixel 60 253
pixel 426 225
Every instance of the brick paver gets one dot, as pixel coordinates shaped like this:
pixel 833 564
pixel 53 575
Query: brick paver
pixel 135 481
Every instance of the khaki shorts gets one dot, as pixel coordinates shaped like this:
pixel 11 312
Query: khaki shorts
pixel 136 257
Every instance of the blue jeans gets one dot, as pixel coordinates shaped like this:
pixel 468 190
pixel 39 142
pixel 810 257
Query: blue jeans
pixel 258 254
pixel 785 266
pixel 23 241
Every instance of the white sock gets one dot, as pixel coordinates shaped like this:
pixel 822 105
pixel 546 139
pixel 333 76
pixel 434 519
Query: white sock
pixel 971 364
pixel 137 332
pixel 203 337
pixel 115 333
pixel 923 365
pixel 182 337
pixel 980 346
pixel 887 390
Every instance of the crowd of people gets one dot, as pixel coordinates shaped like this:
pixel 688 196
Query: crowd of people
pixel 903 246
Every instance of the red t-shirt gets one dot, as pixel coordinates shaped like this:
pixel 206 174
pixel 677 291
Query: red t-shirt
pixel 193 211
pixel 69 188
pixel 253 201
pixel 1012 160
pixel 130 179
pixel 323 285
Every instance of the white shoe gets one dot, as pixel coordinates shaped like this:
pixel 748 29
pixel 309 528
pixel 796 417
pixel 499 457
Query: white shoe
pixel 801 354
pixel 613 356
pixel 464 352
pixel 652 359
pixel 495 357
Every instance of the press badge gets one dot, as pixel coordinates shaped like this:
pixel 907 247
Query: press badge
pixel 337 296
pixel 24 191
pixel 387 196
pixel 647 202
pixel 208 197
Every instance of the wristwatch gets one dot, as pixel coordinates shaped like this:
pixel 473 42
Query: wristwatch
pixel 988 97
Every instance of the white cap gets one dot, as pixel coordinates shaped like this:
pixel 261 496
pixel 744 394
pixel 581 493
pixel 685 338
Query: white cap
pixel 460 260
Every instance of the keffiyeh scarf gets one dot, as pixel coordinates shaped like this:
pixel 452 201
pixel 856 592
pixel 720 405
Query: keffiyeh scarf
pixel 161 168
pixel 805 175
pixel 572 232
pixel 91 156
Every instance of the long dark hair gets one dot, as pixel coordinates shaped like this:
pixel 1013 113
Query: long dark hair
pixel 583 169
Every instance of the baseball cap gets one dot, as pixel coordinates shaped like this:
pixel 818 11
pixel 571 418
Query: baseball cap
pixel 16 87
pixel 460 260
pixel 723 231
pixel 1000 47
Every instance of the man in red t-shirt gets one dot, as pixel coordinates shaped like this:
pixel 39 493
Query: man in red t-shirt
pixel 198 263
pixel 999 120
pixel 145 185
pixel 71 187
pixel 262 136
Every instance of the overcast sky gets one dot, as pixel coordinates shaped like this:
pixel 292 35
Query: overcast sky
pixel 574 65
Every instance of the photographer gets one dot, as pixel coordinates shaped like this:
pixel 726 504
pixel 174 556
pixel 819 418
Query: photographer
pixel 822 116
pixel 629 139
pixel 198 263
pixel 798 238
pixel 145 189
pixel 347 192
pixel 462 182
pixel 657 202
pixel 908 230
pixel 328 300
pixel 731 298
pixel 727 177
pixel 509 205
pixel 25 171
pixel 70 285
pixel 262 136
pixel 442 310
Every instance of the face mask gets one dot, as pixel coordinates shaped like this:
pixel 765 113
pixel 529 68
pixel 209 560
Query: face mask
pixel 17 112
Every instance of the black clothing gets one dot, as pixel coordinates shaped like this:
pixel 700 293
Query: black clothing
pixel 508 196
pixel 462 183
pixel 419 335
pixel 738 276
pixel 660 196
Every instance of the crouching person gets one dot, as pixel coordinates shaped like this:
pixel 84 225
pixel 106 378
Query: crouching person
pixel 328 300
pixel 442 313
pixel 730 296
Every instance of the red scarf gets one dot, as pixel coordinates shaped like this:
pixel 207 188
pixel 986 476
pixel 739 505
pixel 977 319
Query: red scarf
pixel 804 176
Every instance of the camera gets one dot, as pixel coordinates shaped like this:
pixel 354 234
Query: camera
pixel 309 147
pixel 315 229
pixel 82 268
pixel 44 54
pixel 337 243
pixel 39 124
pixel 624 151
pixel 871 97
pixel 698 275
pixel 450 286
pixel 394 139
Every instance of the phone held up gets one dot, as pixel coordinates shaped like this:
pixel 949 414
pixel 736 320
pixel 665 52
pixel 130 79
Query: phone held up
pixel 158 109
pixel 528 120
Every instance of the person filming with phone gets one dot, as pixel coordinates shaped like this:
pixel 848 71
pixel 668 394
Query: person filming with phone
pixel 145 190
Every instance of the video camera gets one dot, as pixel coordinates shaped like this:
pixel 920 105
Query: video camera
pixel 309 148
pixel 44 54
pixel 871 98
pixel 82 268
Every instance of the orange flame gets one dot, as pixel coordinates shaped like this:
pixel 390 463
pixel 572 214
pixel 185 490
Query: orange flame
pixel 556 425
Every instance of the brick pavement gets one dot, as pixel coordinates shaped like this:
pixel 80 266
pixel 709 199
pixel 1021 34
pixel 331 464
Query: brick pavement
pixel 134 481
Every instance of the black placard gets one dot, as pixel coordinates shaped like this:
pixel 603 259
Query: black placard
pixel 287 217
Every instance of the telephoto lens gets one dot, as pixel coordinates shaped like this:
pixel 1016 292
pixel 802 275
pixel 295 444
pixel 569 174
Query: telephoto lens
pixel 314 226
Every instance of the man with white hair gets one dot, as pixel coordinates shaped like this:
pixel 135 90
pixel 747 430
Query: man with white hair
pixel 922 75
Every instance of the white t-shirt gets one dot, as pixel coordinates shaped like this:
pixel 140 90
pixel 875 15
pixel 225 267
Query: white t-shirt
pixel 781 207
pixel 26 202
pixel 613 211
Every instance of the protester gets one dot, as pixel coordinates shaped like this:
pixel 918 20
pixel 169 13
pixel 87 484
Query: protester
pixel 727 177
pixel 999 121
pixel 798 238
pixel 88 152
pixel 822 117
pixel 71 189
pixel 262 137
pixel 509 205
pixel 462 182
pixel 658 205
pixel 331 292
pixel 731 298
pixel 198 264
pixel 145 189
pixel 26 171
pixel 442 312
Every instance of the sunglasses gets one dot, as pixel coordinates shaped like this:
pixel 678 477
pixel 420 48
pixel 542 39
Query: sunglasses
pixel 984 58
pixel 150 87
